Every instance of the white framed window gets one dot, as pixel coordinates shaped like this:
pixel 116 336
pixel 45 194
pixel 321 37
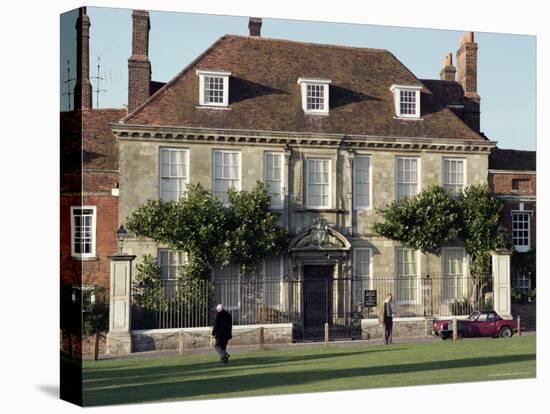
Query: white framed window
pixel 362 178
pixel 272 274
pixel 171 262
pixel 454 175
pixel 227 286
pixel 213 88
pixel 406 100
pixel 362 270
pixel 174 173
pixel 408 275
pixel 521 229
pixel 273 178
pixel 454 273
pixel 226 173
pixel 83 231
pixel 315 95
pixel 407 177
pixel 318 183
pixel 521 281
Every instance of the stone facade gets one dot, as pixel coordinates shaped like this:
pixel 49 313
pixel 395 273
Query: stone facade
pixel 139 181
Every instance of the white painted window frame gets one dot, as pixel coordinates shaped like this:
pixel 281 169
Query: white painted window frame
pixel 329 198
pixel 396 90
pixel 281 264
pixel 417 300
pixel 529 215
pixel 216 74
pixel 418 173
pixel 187 166
pixel 225 151
pixel 465 271
pixel 276 204
pixel 325 83
pixel 464 171
pixel 357 206
pixel 92 254
pixel 170 252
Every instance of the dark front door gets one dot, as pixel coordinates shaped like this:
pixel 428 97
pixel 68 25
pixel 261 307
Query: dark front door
pixel 317 295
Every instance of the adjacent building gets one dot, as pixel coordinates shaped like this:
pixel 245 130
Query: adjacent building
pixel 513 179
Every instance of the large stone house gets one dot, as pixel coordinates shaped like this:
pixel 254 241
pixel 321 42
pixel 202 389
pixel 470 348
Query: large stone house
pixel 337 132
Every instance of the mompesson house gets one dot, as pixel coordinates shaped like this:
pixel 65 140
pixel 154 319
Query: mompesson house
pixel 337 132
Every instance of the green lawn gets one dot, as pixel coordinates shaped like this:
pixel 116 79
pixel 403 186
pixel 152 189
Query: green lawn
pixel 306 369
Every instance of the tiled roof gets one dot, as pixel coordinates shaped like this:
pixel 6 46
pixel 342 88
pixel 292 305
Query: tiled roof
pixel 448 92
pixel 514 160
pixel 88 141
pixel 264 94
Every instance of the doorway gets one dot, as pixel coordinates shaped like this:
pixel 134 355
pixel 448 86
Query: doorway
pixel 317 299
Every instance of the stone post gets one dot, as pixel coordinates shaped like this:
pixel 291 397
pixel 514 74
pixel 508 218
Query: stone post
pixel 349 217
pixel 501 282
pixel 119 338
pixel 286 189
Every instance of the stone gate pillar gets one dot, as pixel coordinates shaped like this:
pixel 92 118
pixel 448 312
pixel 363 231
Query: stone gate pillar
pixel 502 290
pixel 119 339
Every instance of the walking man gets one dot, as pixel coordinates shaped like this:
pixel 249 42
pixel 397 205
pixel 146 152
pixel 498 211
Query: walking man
pixel 386 316
pixel 222 332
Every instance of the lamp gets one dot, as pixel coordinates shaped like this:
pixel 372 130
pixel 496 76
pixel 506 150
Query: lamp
pixel 121 235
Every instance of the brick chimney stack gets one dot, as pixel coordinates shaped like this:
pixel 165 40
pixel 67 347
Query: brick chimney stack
pixel 255 26
pixel 448 72
pixel 83 87
pixel 466 75
pixel 139 66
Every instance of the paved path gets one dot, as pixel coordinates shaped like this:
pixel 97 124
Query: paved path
pixel 248 348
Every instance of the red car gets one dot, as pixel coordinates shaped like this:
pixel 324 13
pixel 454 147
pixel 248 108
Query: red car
pixel 479 323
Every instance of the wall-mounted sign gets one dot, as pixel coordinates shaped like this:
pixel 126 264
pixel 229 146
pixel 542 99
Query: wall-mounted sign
pixel 370 298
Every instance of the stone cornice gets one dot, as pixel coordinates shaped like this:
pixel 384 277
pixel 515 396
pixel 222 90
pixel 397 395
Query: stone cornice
pixel 187 134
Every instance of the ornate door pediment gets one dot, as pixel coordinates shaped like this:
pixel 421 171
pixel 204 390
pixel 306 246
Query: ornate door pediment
pixel 320 236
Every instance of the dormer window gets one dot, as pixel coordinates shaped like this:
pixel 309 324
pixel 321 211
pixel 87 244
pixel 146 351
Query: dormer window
pixel 213 88
pixel 315 97
pixel 407 101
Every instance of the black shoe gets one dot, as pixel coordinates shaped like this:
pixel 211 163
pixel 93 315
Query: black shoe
pixel 226 358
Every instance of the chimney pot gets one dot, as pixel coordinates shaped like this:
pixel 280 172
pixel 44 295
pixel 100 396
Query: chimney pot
pixel 255 26
pixel 139 66
pixel 448 72
pixel 466 75
pixel 83 87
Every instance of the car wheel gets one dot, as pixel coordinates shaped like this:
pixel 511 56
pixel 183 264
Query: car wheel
pixel 505 332
pixel 444 337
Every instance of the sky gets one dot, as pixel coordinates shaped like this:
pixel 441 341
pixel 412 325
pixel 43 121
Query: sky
pixel 506 62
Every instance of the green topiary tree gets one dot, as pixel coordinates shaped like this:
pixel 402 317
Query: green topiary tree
pixel 480 215
pixel 424 222
pixel 432 218
pixel 255 234
pixel 244 233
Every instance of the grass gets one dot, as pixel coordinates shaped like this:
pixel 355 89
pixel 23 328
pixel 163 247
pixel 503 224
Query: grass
pixel 306 369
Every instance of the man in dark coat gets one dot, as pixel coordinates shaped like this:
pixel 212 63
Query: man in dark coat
pixel 222 332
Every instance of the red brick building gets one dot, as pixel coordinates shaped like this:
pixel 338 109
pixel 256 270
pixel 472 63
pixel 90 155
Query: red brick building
pixel 89 179
pixel 512 178
pixel 89 162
